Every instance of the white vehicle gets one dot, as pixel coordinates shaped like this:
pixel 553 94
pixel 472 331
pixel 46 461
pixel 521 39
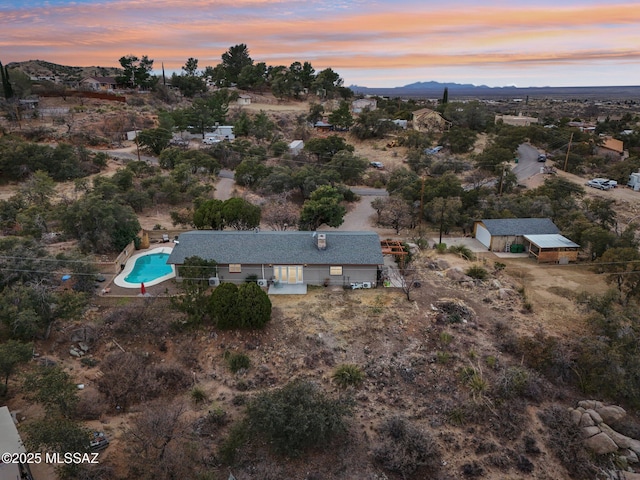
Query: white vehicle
pixel 600 183
pixel 378 165
pixel 210 141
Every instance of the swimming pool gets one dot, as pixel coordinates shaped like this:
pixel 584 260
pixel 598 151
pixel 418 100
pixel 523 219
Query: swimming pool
pixel 148 267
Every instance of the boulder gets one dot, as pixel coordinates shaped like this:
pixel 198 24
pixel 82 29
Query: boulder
pixel 586 420
pixel 611 413
pixel 576 415
pixel 505 293
pixel 589 404
pixel 496 284
pixel 630 455
pixel 74 352
pixel 635 446
pixel 601 444
pixel 589 432
pixel 596 417
pixel 621 440
pixel 630 476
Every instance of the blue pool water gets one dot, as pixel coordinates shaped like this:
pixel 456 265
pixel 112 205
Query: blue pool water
pixel 149 268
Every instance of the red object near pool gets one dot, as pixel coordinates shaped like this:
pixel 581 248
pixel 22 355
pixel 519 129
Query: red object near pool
pixel 142 289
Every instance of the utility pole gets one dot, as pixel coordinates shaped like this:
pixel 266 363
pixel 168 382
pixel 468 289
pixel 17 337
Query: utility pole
pixel 566 158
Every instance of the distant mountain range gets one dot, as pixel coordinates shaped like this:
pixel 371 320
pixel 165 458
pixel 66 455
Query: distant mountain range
pixel 462 90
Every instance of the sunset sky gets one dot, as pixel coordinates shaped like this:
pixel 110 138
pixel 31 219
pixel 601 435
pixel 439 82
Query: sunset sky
pixel 371 43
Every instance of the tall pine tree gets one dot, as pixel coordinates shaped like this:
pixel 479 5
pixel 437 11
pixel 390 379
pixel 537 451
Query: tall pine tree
pixel 7 89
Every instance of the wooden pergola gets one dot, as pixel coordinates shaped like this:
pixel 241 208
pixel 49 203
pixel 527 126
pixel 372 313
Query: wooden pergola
pixel 394 247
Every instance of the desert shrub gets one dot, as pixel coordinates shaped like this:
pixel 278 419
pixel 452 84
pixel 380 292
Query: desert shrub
pixel 198 395
pixel 477 272
pixel 473 469
pixel 517 381
pixel 441 247
pixel 565 441
pixel 91 405
pixel 297 416
pixel 237 361
pixel 443 357
pixel 406 449
pixel 237 437
pixel 223 305
pixel 348 375
pixel 462 251
pixel 446 338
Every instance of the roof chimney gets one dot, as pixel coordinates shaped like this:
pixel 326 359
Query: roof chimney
pixel 321 241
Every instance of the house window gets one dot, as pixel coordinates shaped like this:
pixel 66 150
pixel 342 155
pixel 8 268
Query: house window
pixel 335 270
pixel 235 268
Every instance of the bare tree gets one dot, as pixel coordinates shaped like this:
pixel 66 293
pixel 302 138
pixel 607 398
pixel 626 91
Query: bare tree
pixel 395 213
pixel 280 214
pixel 408 278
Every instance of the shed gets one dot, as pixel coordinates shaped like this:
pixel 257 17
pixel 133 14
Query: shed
pixel 296 147
pixel 498 235
pixel 292 258
pixel 551 248
pixel 243 99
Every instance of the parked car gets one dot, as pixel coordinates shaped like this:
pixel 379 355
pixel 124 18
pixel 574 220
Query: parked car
pixel 542 158
pixel 612 183
pixel 601 183
pixel 378 165
pixel 431 151
pixel 210 141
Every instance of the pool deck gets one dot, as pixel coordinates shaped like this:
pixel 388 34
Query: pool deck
pixel 119 280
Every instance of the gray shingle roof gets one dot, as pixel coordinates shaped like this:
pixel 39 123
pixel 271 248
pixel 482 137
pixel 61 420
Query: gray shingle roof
pixel 249 247
pixel 520 226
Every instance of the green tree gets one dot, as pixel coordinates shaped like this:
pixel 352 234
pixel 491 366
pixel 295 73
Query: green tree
pixel 195 273
pixel 223 306
pixel 137 71
pixel 459 139
pixel 154 139
pixel 56 434
pixel 348 166
pixel 316 111
pixel 54 389
pixel 7 89
pixel 240 214
pixel 205 112
pixel 323 207
pixel 12 354
pixel 341 117
pixel 233 61
pixel 208 214
pixel 326 148
pixel 372 124
pixel 445 211
pixel 621 266
pixel 100 225
pixel 297 417
pixel 38 189
pixel 254 306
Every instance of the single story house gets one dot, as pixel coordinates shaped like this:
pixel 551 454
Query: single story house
pixel 499 234
pixel 516 120
pixel 611 148
pixel 551 248
pixel 362 104
pixel 99 83
pixel 296 147
pixel 427 120
pixel 284 258
pixel 10 442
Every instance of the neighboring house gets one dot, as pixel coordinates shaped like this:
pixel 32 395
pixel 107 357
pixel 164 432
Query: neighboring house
pixel 222 132
pixel 99 83
pixel 400 123
pixel 498 235
pixel 243 100
pixel 323 126
pixel 516 120
pixel 427 120
pixel 278 259
pixel 611 148
pixel 582 126
pixel 361 104
pixel 10 442
pixel 295 147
